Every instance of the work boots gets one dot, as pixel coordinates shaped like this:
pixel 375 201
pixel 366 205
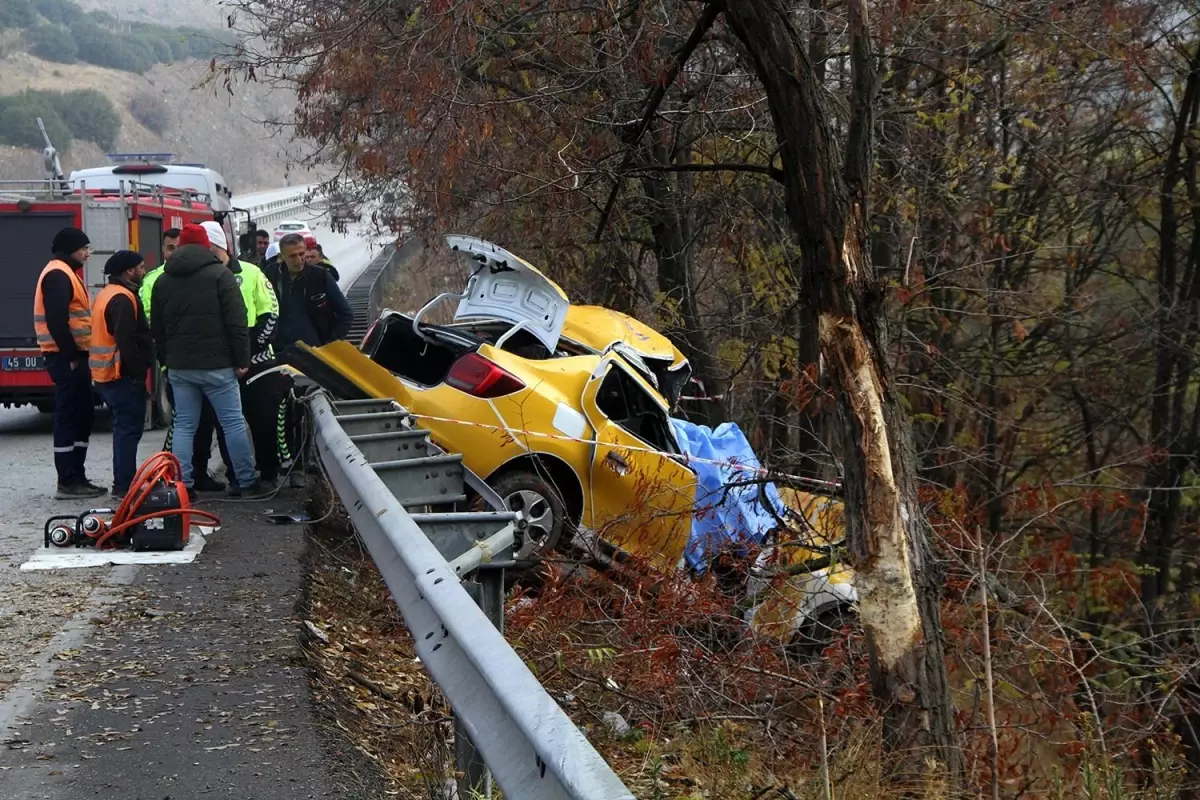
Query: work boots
pixel 79 491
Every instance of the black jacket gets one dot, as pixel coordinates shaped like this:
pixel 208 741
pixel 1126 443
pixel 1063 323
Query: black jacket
pixel 312 309
pixel 57 292
pixel 126 321
pixel 199 319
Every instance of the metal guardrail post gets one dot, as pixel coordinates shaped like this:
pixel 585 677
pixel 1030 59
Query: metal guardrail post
pixel 532 748
pixel 474 779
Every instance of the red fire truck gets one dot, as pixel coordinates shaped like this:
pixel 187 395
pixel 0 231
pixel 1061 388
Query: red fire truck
pixel 131 216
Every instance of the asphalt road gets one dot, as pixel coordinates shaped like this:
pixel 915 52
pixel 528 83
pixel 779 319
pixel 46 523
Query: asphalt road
pixel 44 615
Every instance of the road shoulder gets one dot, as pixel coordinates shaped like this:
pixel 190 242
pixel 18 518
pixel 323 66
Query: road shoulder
pixel 194 685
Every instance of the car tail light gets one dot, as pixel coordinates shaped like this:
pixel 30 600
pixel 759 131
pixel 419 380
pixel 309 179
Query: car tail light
pixel 479 377
pixel 367 336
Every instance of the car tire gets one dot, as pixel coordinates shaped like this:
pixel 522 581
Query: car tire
pixel 537 498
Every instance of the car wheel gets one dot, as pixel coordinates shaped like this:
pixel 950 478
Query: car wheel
pixel 539 503
pixel 45 406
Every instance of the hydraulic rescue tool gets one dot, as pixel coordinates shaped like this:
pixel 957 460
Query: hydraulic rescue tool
pixel 155 514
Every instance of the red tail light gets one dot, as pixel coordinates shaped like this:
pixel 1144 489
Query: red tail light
pixel 479 377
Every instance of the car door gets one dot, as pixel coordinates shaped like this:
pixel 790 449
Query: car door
pixel 641 494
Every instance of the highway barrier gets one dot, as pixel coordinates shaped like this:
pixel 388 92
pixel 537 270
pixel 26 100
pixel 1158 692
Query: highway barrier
pixel 383 470
pixel 445 572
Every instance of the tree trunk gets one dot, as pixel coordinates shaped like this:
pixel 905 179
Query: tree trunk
pixel 826 200
pixel 670 225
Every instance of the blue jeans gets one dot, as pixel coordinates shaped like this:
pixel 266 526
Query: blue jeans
pixel 73 413
pixel 126 399
pixel 221 388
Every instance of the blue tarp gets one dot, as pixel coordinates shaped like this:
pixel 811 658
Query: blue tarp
pixel 724 520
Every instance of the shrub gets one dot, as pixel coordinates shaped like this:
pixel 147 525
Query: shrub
pixel 18 122
pixel 16 14
pixel 150 110
pixel 61 11
pixel 90 115
pixel 105 49
pixel 53 43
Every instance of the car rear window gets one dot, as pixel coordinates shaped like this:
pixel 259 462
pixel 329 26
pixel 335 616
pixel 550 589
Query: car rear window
pixel 291 227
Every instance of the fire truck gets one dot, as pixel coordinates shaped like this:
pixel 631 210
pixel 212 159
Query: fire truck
pixel 125 215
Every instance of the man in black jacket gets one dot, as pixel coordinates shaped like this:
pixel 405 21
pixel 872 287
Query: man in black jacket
pixel 199 327
pixel 62 322
pixel 312 309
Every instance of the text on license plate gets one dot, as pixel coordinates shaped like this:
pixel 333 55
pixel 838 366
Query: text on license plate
pixel 23 363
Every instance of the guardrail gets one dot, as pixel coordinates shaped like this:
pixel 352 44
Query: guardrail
pixel 280 208
pixel 382 467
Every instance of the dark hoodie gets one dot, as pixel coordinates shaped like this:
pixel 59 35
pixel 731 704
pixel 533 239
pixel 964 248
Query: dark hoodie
pixel 199 319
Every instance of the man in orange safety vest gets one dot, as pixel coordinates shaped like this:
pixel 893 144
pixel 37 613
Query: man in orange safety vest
pixel 119 358
pixel 62 322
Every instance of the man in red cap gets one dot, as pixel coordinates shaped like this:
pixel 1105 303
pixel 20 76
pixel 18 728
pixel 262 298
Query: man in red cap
pixel 314 256
pixel 199 326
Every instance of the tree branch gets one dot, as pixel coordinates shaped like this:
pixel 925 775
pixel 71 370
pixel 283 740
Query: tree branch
pixel 654 100
pixel 758 169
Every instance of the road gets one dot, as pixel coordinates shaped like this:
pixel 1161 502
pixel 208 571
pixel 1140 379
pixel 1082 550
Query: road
pixel 36 608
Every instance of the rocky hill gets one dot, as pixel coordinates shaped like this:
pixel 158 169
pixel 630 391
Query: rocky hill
pixel 166 108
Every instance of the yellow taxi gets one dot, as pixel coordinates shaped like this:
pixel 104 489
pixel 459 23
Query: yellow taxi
pixel 565 411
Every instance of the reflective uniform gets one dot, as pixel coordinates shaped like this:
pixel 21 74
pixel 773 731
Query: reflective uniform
pixel 146 291
pixel 79 315
pixel 104 358
pixel 73 404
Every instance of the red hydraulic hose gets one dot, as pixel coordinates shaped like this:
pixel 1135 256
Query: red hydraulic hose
pixel 162 467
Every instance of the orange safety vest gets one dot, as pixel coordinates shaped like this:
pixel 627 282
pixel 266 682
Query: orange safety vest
pixel 103 356
pixel 80 318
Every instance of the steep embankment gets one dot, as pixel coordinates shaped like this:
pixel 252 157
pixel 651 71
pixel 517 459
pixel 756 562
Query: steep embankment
pixel 206 124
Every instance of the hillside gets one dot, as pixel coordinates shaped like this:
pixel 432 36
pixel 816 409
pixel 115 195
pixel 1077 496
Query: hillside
pixel 205 124
pixel 134 70
pixel 203 13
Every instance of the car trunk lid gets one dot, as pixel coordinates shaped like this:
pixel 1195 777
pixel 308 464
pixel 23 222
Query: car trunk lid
pixel 506 287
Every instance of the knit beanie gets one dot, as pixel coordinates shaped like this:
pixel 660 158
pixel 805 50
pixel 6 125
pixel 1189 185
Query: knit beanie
pixel 68 240
pixel 216 236
pixel 193 234
pixel 122 260
pixel 310 243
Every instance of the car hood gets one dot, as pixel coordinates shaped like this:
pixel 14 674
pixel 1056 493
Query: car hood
pixel 506 287
pixel 600 328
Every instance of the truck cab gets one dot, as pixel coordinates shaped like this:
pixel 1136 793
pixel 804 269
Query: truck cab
pixel 156 169
pixel 128 216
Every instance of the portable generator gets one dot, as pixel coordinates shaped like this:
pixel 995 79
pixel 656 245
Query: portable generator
pixel 155 515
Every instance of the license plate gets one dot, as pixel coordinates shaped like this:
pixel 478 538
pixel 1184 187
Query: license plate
pixel 23 363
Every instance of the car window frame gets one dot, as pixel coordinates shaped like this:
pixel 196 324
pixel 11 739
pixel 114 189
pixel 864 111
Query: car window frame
pixel 630 379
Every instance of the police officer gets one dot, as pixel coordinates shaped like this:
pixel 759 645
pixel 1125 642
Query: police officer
pixel 119 358
pixel 260 398
pixel 62 321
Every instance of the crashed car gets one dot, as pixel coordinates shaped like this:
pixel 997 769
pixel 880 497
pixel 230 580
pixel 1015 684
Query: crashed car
pixel 564 411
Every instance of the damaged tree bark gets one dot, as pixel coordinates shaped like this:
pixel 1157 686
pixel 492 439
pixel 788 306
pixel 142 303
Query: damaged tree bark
pixel 826 194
